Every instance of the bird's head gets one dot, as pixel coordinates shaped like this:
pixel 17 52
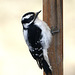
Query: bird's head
pixel 29 17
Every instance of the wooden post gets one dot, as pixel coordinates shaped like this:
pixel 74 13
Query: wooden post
pixel 53 16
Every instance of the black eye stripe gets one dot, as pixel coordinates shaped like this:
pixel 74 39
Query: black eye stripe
pixel 28 20
pixel 25 21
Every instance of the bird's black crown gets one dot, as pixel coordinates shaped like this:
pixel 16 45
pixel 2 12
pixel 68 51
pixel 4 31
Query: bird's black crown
pixel 28 17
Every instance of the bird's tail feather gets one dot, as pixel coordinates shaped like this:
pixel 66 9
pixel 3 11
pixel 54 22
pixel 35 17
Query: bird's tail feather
pixel 46 68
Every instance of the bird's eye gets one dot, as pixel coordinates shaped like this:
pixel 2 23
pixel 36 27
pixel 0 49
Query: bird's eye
pixel 31 18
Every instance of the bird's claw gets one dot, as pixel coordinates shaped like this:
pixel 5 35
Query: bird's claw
pixel 54 30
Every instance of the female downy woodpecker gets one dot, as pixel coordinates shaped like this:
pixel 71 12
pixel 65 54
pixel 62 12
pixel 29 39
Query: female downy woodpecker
pixel 38 37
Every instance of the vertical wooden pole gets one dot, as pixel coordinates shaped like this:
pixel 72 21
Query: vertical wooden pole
pixel 53 16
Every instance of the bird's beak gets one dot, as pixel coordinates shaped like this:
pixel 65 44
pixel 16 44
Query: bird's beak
pixel 36 14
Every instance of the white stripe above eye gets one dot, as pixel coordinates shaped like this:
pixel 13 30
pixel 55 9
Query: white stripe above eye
pixel 27 16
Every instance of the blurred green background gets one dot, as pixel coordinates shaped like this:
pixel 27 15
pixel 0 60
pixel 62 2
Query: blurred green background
pixel 15 58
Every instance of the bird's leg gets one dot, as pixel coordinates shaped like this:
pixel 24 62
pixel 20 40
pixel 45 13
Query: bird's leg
pixel 54 30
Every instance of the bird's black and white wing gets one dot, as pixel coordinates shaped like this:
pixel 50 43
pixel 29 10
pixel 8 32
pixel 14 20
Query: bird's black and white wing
pixel 38 36
pixel 33 40
pixel 38 39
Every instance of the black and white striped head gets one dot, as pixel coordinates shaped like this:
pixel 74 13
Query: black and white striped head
pixel 29 18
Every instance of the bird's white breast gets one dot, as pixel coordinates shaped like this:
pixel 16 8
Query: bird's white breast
pixel 25 32
pixel 46 33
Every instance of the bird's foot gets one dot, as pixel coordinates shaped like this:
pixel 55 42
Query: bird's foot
pixel 54 30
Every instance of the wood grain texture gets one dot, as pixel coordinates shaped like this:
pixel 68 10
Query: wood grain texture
pixel 53 16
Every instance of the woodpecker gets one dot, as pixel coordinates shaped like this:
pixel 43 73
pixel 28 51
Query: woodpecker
pixel 38 37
